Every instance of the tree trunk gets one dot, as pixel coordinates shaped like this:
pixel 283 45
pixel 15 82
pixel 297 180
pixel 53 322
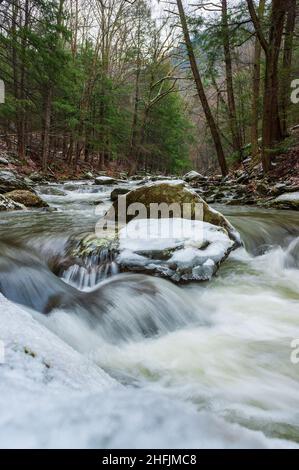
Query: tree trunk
pixel 134 132
pixel 46 129
pixel 271 121
pixel 256 87
pixel 201 92
pixel 235 130
pixel 287 64
pixel 272 131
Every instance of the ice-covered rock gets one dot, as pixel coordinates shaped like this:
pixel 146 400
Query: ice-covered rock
pixel 199 238
pixel 179 249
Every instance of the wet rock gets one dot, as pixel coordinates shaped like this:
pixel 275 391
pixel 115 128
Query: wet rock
pixel 105 180
pixel 7 204
pixel 119 192
pixel 9 181
pixel 26 198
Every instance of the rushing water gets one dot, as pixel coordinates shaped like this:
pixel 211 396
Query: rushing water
pixel 224 346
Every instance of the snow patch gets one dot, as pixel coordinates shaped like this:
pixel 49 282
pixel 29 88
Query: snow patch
pixel 174 247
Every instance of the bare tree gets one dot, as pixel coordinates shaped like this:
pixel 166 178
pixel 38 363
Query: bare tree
pixel 201 92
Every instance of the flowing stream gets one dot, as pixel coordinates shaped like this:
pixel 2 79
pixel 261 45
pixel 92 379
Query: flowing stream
pixel 223 346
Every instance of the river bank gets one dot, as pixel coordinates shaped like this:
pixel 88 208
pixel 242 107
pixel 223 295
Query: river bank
pixel 245 185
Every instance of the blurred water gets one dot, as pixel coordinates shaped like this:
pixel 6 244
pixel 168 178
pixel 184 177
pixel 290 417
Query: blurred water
pixel 224 346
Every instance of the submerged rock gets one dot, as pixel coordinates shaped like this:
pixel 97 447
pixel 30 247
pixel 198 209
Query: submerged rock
pixel 51 191
pixel 27 198
pixel 7 204
pixel 9 181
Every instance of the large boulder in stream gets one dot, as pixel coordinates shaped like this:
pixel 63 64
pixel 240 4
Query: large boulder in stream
pixel 173 247
pixel 27 198
pixel 9 181
pixel 169 193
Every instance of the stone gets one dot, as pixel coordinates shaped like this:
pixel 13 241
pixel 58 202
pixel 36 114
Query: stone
pixel 9 181
pixel 118 192
pixel 176 248
pixel 36 177
pixel 172 193
pixel 7 204
pixel 193 176
pixel 26 198
pixel 104 180
pixel 181 250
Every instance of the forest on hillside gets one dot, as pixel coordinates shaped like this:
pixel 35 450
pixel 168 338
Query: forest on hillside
pixel 138 85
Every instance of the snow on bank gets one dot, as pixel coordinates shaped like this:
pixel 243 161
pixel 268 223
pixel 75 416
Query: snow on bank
pixel 288 197
pixel 54 361
pixel 53 397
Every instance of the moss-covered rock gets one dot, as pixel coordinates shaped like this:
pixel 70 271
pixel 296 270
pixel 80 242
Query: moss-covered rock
pixel 172 193
pixel 27 198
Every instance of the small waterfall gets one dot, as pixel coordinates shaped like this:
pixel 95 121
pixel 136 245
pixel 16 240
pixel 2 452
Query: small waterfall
pixel 91 271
